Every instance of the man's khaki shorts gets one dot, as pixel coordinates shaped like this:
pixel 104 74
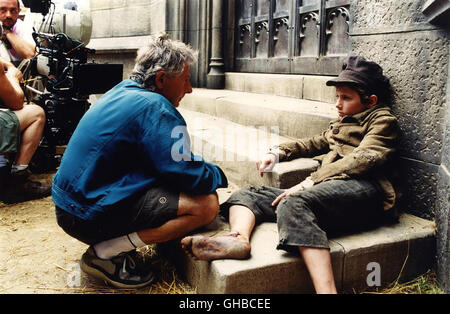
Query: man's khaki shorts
pixel 147 210
pixel 9 132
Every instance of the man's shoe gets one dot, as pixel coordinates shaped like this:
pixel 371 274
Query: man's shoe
pixel 21 189
pixel 127 270
pixel 4 175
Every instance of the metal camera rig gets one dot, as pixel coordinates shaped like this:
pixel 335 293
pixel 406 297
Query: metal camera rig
pixel 69 78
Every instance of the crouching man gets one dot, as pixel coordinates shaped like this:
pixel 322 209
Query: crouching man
pixel 122 184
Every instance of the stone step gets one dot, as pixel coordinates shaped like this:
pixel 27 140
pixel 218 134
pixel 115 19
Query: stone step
pixel 237 148
pixel 309 87
pixel 234 129
pixel 293 117
pixel 371 259
pixel 392 252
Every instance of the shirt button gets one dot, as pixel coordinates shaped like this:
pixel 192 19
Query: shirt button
pixel 163 200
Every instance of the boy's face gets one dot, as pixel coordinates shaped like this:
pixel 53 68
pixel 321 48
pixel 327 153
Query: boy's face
pixel 348 101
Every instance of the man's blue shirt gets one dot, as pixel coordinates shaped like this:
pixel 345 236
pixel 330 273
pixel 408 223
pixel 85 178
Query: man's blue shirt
pixel 130 140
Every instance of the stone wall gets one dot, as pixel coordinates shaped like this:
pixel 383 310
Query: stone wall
pixel 443 203
pixel 126 18
pixel 415 55
pixel 120 27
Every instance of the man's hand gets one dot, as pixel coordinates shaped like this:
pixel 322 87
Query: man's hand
pixel 14 73
pixel 266 164
pixel 3 31
pixel 11 71
pixel 305 184
pixel 10 90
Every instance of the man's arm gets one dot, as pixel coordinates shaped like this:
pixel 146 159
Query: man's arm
pixel 10 91
pixel 25 49
pixel 167 145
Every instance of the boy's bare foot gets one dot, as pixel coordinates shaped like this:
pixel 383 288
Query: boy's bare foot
pixel 231 246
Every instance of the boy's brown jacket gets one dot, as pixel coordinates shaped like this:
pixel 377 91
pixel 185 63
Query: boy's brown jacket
pixel 358 146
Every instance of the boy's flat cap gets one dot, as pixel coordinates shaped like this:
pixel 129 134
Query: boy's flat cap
pixel 357 70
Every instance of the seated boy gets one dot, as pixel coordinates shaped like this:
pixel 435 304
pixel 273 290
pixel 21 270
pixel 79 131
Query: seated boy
pixel 350 191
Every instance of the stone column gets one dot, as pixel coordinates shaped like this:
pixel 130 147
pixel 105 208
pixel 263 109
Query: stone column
pixel 216 76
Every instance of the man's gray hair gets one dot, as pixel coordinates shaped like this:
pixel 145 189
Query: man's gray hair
pixel 161 54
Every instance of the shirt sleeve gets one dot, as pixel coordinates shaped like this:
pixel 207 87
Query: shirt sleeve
pixel 166 145
pixel 308 147
pixel 24 31
pixel 375 149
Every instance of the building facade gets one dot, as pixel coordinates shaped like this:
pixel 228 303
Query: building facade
pixel 408 38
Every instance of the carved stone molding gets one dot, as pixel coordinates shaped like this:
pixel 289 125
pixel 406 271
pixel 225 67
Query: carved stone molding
pixel 312 16
pixel 242 30
pixel 336 13
pixel 437 12
pixel 278 24
pixel 260 26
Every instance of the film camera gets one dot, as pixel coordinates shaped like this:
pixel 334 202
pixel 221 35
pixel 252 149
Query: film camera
pixel 62 63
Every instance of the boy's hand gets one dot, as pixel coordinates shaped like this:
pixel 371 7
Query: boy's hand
pixel 305 184
pixel 266 164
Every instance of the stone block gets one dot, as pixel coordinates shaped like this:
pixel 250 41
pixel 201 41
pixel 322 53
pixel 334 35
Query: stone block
pixel 138 14
pixel 443 229
pixel 297 86
pixel 315 88
pixel 271 84
pixel 295 118
pixel 235 148
pixel 235 81
pixel 101 24
pixel 386 16
pixel 402 251
pixel 418 187
pixel 414 68
pixel 100 5
pixel 267 271
pixel 149 17
pixel 287 174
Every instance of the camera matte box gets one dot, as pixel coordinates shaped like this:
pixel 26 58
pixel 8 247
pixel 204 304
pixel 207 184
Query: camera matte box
pixel 96 78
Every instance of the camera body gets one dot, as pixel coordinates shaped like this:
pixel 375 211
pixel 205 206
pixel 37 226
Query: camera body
pixel 62 63
pixel 38 6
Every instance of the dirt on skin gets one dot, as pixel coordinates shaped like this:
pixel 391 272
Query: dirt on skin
pixel 37 256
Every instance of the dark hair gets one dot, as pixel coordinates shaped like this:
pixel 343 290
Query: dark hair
pixel 383 91
pixel 366 77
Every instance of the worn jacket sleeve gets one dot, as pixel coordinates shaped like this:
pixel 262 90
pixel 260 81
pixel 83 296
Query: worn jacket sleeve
pixel 375 149
pixel 308 147
pixel 167 145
